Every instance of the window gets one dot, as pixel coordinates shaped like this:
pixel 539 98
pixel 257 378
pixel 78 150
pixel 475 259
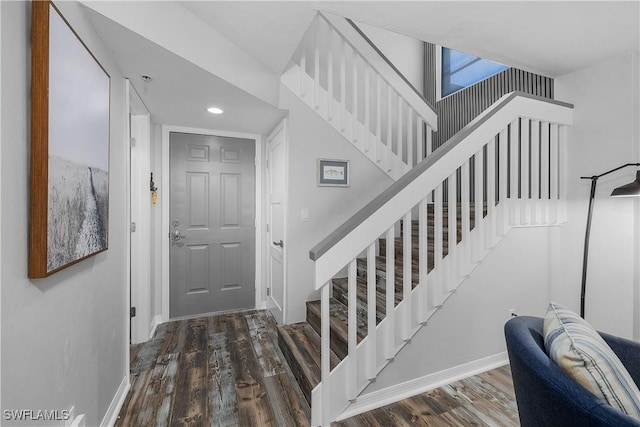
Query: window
pixel 460 70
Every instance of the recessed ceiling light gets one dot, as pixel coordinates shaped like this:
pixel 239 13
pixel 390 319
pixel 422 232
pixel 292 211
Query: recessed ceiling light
pixel 215 110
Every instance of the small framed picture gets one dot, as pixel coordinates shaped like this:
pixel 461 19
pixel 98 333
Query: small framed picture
pixel 333 173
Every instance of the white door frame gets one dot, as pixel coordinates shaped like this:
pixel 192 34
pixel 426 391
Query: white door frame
pixel 282 126
pixel 140 213
pixel 259 276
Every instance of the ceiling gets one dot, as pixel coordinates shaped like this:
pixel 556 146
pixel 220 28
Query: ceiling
pixel 552 38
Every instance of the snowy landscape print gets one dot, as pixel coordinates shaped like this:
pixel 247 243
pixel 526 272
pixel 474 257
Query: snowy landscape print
pixel 78 145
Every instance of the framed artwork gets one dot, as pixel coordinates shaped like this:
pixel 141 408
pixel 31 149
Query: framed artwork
pixel 69 200
pixel 333 173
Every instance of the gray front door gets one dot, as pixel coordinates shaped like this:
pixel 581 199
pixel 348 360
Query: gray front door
pixel 212 224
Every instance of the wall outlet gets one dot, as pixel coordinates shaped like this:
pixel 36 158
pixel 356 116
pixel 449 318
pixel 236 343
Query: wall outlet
pixel 71 417
pixel 512 313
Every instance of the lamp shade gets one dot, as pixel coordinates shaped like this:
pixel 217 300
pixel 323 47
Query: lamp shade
pixel 628 190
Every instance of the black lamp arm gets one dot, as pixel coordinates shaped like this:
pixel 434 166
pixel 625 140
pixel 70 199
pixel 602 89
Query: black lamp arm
pixel 585 257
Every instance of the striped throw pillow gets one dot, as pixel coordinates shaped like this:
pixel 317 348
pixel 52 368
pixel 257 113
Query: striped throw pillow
pixel 584 356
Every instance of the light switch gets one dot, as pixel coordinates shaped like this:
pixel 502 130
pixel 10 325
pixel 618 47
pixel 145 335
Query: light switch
pixel 304 215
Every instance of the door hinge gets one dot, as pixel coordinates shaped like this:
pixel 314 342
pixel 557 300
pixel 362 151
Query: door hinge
pixel 268 291
pixel 133 227
pixel 267 228
pixel 132 312
pixel 267 163
pixel 132 142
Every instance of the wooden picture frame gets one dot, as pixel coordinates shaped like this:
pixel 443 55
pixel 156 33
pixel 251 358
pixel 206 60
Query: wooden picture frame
pixel 69 200
pixel 333 173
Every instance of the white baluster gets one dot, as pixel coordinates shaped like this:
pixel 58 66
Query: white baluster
pixel 437 250
pixel 303 71
pixel 316 66
pixel 429 142
pixel 479 205
pixel 330 75
pixel 465 260
pixel 379 148
pixel 354 101
pixel 367 112
pixel 514 187
pixel 544 171
pixel 491 194
pixel 372 368
pixel 409 137
pixel 390 292
pixel 423 257
pixel 352 329
pixel 554 171
pixel 419 140
pixel 389 130
pixel 503 156
pixel 452 230
pixel 343 86
pixel 325 352
pixel 407 274
pixel 524 171
pixel 399 130
pixel 535 171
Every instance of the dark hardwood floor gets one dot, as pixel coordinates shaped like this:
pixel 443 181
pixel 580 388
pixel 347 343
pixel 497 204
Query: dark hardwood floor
pixel 227 370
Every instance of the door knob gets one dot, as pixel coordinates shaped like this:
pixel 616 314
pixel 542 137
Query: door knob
pixel 175 236
pixel 280 243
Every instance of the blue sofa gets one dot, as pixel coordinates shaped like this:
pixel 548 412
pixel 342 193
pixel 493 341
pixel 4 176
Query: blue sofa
pixel 546 396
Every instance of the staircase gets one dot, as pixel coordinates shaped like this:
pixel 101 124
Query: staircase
pixel 300 342
pixel 387 270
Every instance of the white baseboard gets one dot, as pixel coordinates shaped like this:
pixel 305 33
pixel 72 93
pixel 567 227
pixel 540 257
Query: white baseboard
pixel 154 325
pixel 428 382
pixel 111 416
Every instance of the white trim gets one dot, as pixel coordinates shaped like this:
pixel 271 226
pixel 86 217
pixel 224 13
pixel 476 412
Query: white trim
pixel 282 126
pixel 259 243
pixel 157 319
pixel 438 73
pixel 127 323
pixel 111 416
pixel 140 213
pixel 423 384
pixel 1 204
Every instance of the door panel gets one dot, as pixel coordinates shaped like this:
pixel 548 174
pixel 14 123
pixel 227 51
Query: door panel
pixel 212 214
pixel 276 151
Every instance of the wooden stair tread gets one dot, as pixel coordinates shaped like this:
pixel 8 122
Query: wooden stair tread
pixel 300 345
pixel 341 293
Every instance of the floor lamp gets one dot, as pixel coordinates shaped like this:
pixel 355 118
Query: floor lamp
pixel 629 190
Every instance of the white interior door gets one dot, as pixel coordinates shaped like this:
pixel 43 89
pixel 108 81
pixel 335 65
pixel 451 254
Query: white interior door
pixel 276 175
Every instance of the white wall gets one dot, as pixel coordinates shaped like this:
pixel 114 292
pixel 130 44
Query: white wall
pixel 405 53
pixel 310 138
pixel 604 136
pixel 470 324
pixel 63 338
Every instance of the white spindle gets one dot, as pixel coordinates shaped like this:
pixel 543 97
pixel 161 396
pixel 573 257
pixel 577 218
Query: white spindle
pixel 325 351
pixel 389 128
pixel 372 368
pixel 479 205
pixel 554 171
pixel 378 142
pixel 423 239
pixel 410 137
pixel 330 74
pixel 390 292
pixel 452 231
pixel 535 171
pixel 544 172
pixel 407 274
pixel 491 194
pixel 343 85
pixel 354 101
pixel 352 339
pixel 504 181
pixel 429 141
pixel 316 66
pixel 303 71
pixel 524 171
pixel 419 140
pixel 367 110
pixel 437 250
pixel 466 226
pixel 399 130
pixel 514 186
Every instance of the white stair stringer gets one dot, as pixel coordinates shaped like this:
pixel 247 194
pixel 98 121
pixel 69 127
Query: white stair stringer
pixel 342 121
